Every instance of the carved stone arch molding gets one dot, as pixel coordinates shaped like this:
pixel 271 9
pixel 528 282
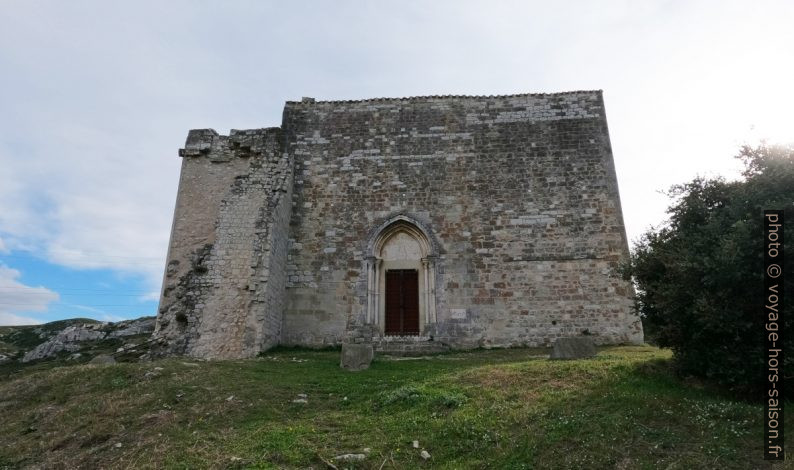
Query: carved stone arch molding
pixel 401 243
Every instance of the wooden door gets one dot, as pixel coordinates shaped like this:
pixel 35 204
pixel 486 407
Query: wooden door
pixel 402 302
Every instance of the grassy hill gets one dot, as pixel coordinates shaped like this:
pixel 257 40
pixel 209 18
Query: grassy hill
pixel 483 409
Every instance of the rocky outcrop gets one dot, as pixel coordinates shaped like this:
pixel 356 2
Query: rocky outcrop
pixel 66 340
pixel 132 327
pixel 75 337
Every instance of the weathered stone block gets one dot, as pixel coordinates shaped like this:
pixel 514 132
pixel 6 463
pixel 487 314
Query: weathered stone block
pixel 357 356
pixel 580 347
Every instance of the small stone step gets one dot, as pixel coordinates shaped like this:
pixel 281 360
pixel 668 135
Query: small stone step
pixel 410 348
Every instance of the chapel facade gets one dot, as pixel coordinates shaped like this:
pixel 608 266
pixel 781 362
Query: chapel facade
pixel 416 224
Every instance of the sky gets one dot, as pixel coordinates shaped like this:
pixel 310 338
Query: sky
pixel 97 97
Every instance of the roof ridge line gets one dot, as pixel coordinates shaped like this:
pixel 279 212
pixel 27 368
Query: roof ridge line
pixel 427 97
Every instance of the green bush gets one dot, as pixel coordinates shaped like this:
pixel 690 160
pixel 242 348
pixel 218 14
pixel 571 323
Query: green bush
pixel 700 278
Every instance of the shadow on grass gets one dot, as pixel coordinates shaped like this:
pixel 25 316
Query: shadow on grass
pixel 643 416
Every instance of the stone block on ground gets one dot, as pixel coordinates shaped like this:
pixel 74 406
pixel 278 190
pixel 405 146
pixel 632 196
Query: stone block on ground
pixel 579 347
pixel 356 356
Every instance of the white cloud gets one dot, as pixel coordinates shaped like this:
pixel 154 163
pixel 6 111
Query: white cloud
pixel 98 313
pixel 9 319
pixel 86 308
pixel 3 248
pixel 95 110
pixel 109 317
pixel 150 296
pixel 16 297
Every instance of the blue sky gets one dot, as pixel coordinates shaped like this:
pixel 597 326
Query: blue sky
pixel 102 294
pixel 98 96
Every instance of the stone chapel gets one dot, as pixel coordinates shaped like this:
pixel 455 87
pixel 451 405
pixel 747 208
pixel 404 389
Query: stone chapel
pixel 416 224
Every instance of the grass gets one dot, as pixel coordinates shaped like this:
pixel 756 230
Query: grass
pixel 483 409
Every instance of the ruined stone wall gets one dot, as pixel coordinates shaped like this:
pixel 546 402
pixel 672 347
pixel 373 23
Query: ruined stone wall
pixel 223 292
pixel 518 192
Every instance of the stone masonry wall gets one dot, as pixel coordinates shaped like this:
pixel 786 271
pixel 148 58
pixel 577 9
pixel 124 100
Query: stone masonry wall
pixel 517 196
pixel 519 192
pixel 224 287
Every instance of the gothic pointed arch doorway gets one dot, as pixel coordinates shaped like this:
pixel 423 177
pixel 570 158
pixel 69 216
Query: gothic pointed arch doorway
pixel 401 279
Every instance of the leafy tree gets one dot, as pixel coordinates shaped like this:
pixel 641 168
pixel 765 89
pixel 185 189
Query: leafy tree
pixel 700 278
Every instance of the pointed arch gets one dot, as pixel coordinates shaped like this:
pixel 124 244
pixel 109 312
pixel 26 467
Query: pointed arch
pixel 400 243
pixel 396 224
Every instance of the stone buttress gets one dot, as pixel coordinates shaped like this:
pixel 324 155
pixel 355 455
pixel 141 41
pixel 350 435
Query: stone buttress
pixel 224 287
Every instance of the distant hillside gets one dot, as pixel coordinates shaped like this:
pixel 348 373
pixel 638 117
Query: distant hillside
pixel 75 341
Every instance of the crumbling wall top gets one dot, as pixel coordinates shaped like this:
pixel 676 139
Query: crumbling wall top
pixel 203 141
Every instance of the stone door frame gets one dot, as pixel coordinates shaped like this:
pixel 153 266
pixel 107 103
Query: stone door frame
pixel 376 271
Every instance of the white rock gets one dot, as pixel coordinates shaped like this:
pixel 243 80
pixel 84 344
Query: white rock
pixel 425 455
pixel 132 327
pixel 350 457
pixel 65 340
pixel 416 444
